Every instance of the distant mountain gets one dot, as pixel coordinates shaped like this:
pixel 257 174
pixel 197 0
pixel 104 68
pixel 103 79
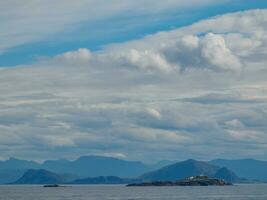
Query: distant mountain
pixel 162 163
pixel 41 176
pixel 13 163
pixel 245 168
pixel 93 166
pixel 227 175
pixel 10 175
pixel 189 168
pixel 181 170
pixel 106 180
pixel 12 169
pixel 85 166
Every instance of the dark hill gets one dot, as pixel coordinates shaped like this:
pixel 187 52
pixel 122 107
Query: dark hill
pixel 228 175
pixel 12 169
pixel 188 168
pixel 10 175
pixel 246 168
pixel 181 170
pixel 40 177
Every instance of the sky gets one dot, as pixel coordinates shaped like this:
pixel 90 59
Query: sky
pixel 134 79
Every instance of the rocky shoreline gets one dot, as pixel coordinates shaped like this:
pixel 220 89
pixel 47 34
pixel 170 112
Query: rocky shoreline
pixel 191 181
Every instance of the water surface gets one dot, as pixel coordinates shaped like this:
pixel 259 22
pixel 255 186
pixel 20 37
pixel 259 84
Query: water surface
pixel 120 192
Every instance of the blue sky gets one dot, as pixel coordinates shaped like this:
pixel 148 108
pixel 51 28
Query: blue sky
pixel 120 28
pixel 135 79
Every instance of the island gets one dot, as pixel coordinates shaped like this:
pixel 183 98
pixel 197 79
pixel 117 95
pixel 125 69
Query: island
pixel 51 185
pixel 191 181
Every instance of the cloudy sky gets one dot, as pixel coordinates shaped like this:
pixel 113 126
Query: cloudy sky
pixel 135 79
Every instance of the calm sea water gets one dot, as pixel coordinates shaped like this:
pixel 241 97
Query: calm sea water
pixel 120 192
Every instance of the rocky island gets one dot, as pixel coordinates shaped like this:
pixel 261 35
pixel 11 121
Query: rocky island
pixel 191 181
pixel 51 185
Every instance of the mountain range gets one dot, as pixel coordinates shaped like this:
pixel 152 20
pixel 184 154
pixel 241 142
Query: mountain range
pixel 92 169
pixel 41 176
pixel 174 172
pixel 83 167
pixel 89 166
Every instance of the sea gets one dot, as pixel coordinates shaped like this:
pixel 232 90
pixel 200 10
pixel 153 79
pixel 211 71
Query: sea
pixel 121 192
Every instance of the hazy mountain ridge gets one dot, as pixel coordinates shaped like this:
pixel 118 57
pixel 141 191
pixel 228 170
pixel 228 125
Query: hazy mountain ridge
pixel 41 176
pixel 87 167
pixel 172 172
pixel 14 163
pixel 91 166
pixel 83 167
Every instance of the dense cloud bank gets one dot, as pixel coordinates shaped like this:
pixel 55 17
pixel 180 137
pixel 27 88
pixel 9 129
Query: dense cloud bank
pixel 198 92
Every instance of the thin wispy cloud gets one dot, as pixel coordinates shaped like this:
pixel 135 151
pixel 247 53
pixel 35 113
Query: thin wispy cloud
pixel 33 21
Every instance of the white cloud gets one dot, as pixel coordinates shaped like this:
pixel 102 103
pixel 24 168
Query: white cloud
pixel 249 136
pixel 209 51
pixel 235 123
pixel 114 155
pixel 81 56
pixel 216 52
pixel 212 44
pixel 144 60
pixel 154 113
pixel 169 93
pixel 57 141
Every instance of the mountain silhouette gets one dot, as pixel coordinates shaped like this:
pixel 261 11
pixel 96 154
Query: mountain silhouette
pixel 189 168
pixel 40 176
pixel 248 168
